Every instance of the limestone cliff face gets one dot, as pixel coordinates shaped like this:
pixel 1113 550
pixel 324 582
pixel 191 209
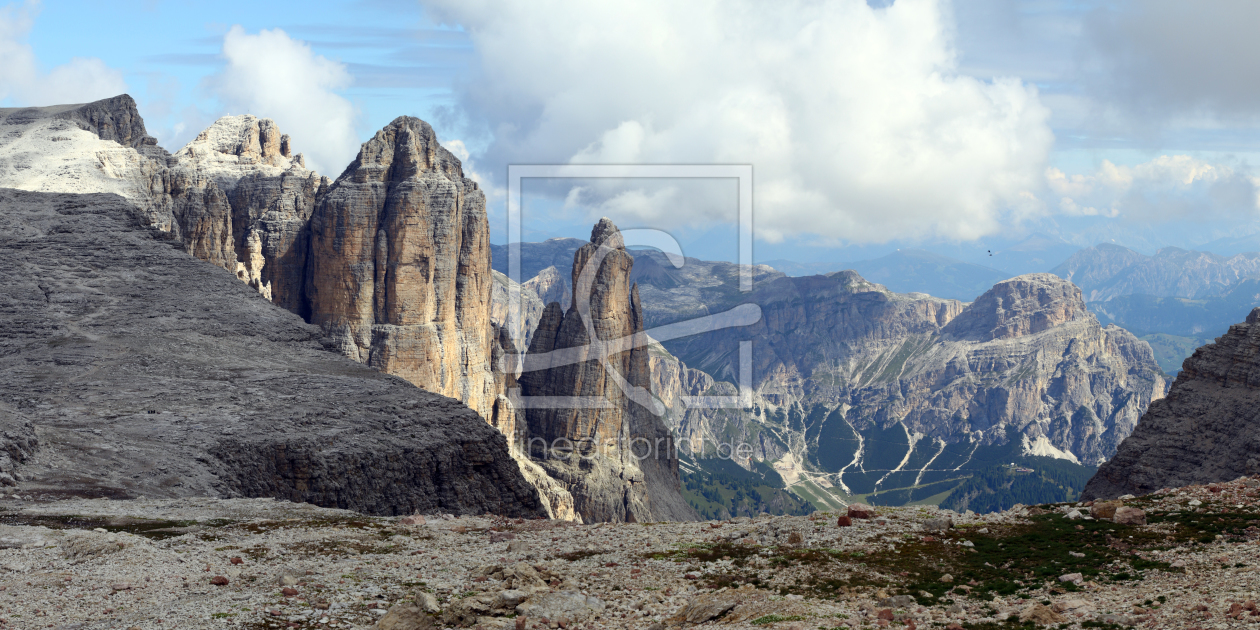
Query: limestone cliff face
pixel 500 308
pixel 235 196
pixel 591 449
pixel 1018 307
pixel 1026 362
pixel 242 201
pixel 1205 430
pixel 550 286
pixel 87 148
pixel 399 265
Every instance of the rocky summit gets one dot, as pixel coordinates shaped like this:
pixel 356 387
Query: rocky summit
pixel 1179 558
pixel 1205 430
pixel 134 370
pixel 399 268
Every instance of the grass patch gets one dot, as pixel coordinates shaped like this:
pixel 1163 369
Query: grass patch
pixel 769 619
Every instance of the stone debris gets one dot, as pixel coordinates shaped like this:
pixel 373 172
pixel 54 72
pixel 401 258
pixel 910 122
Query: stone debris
pixel 304 567
pixel 1041 615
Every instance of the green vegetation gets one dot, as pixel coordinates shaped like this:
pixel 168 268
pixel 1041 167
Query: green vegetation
pixel 1011 560
pixel 769 619
pixel 999 487
pixel 1171 350
pixel 720 489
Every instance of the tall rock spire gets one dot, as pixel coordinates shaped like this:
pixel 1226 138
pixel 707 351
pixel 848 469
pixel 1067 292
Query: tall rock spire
pixel 606 445
pixel 399 265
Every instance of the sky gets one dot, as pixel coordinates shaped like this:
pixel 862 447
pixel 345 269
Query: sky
pixel 871 125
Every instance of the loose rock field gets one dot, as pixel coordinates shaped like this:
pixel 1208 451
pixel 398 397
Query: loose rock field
pixel 1183 558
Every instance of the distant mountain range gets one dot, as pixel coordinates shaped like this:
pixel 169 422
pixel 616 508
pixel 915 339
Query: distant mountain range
pixel 964 275
pixel 911 271
pixel 1107 271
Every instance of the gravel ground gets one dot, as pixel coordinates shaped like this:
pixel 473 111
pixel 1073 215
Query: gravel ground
pixel 161 564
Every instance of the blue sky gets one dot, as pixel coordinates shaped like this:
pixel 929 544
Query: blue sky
pixel 870 127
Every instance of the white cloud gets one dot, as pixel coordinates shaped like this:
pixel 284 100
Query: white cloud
pixel 857 123
pixel 272 75
pixel 1169 187
pixel 81 80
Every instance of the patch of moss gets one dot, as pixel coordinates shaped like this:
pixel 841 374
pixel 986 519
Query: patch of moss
pixel 769 619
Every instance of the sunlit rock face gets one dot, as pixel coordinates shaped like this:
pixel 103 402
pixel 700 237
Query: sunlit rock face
pixel 399 265
pixel 236 196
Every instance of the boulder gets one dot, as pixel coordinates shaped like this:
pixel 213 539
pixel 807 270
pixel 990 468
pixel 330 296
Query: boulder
pixel 1104 509
pixel 705 607
pixel 567 606
pixel 406 616
pixel 1041 615
pixel 860 510
pixel 1129 516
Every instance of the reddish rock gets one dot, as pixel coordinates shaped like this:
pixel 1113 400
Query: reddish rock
pixel 844 521
pixel 219 580
pixel 237 560
pixel 399 265
pixel 1129 516
pixel 860 510
pixel 289 592
pixel 886 614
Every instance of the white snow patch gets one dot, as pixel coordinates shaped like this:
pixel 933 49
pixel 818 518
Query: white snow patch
pixel 1043 448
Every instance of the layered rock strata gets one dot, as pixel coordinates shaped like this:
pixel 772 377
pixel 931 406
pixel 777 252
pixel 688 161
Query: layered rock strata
pixel 1205 430
pixel 590 446
pixel 1025 361
pixel 399 272
pixel 144 372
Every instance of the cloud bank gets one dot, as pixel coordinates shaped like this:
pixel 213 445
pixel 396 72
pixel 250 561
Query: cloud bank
pixel 856 120
pixel 271 75
pixel 81 80
pixel 1167 188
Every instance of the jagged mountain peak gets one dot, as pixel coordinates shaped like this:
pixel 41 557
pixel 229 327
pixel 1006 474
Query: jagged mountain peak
pixel 116 118
pixel 242 140
pixel 605 231
pixel 401 150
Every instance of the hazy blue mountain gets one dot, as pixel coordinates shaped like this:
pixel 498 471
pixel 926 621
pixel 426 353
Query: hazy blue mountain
pixel 1176 326
pixel 535 257
pixel 1231 245
pixel 1035 254
pixel 916 270
pixel 1106 271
